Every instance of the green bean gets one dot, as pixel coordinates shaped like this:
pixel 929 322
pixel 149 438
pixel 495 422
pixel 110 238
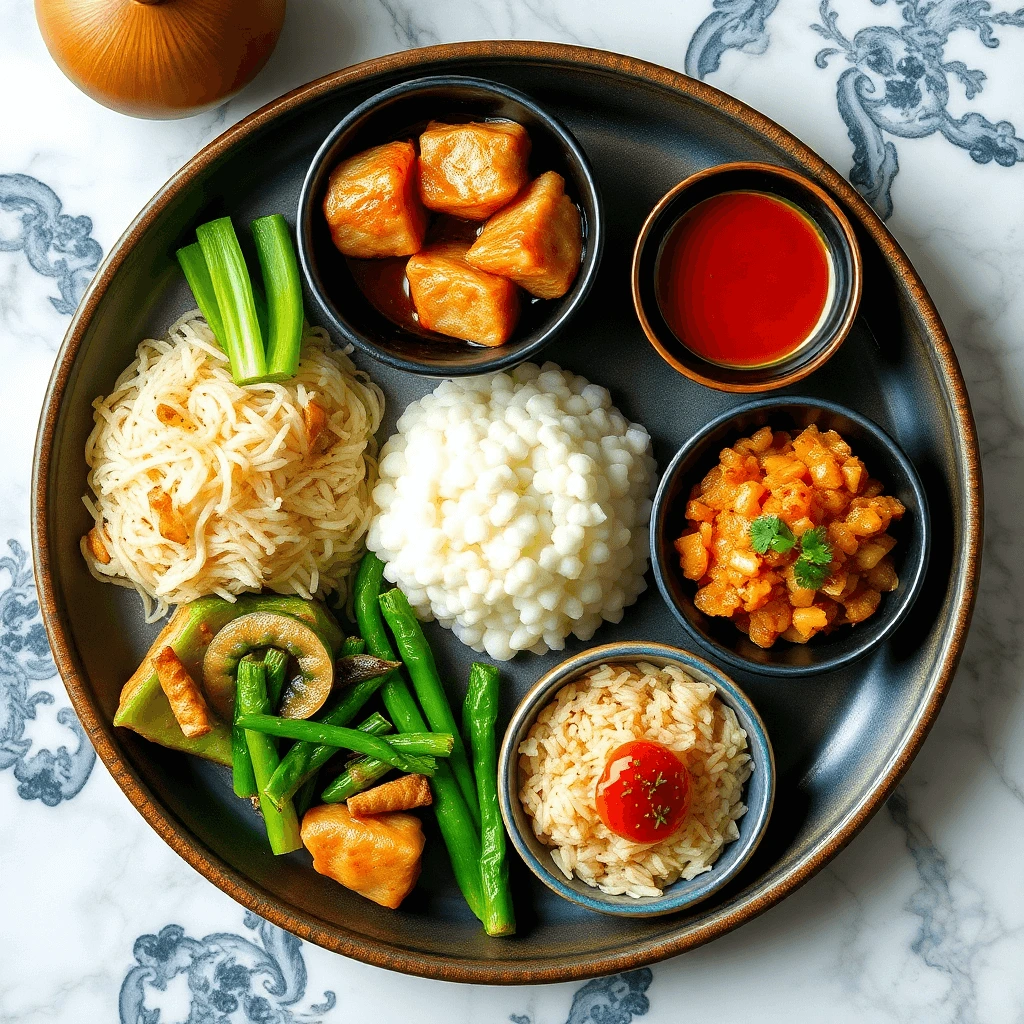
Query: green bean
pixel 303 759
pixel 251 697
pixel 242 778
pixel 419 661
pixel 348 739
pixel 275 661
pixel 480 713
pixel 453 817
pixel 351 646
pixel 306 795
pixel 358 775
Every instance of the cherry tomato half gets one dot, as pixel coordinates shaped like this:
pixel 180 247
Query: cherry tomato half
pixel 644 791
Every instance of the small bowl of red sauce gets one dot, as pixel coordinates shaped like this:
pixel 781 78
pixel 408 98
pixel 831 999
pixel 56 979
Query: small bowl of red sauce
pixel 635 799
pixel 746 277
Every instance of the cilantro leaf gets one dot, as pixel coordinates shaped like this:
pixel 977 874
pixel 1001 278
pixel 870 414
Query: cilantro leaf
pixel 815 548
pixel 811 569
pixel 771 532
pixel 808 575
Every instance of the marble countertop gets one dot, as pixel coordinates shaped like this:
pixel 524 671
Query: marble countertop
pixel 921 104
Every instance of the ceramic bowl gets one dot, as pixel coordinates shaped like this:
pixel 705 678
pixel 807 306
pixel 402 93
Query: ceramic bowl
pixel 402 112
pixel 835 231
pixel 759 792
pixel 885 461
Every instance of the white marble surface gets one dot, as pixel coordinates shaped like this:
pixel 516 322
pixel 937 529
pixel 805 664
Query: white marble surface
pixel 922 918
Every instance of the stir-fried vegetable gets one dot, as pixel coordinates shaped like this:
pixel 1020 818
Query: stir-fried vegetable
pixel 231 284
pixel 243 778
pixel 304 695
pixel 187 702
pixel 419 660
pixel 358 775
pixel 284 295
pixel 352 646
pixel 282 824
pixel 395 752
pixel 275 661
pixel 480 713
pixel 453 817
pixel 305 759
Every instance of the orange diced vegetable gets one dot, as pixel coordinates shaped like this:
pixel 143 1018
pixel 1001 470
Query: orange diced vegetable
pixel 170 523
pixel 95 542
pixel 693 556
pixel 809 482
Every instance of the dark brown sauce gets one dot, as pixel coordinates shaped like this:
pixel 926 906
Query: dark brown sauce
pixel 385 285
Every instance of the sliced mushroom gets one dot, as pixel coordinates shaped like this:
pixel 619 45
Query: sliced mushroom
pixel 304 695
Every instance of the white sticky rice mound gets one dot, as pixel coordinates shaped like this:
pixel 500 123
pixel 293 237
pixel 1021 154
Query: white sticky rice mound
pixel 262 509
pixel 565 752
pixel 514 509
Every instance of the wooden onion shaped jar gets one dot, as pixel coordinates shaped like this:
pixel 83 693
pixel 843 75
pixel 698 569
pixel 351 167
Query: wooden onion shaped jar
pixel 160 58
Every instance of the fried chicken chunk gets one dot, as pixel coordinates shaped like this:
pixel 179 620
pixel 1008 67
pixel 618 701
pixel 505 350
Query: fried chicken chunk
pixel 377 857
pixel 372 204
pixel 455 299
pixel 472 170
pixel 535 241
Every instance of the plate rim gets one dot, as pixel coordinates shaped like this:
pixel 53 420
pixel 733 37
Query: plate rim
pixel 508 970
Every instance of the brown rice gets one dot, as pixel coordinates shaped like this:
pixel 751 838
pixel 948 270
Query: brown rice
pixel 564 754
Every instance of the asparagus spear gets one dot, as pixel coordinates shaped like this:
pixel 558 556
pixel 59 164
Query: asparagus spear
pixel 251 698
pixel 242 777
pixel 353 645
pixel 480 713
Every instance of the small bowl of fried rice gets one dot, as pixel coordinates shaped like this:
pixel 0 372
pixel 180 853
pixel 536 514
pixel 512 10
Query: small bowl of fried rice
pixel 563 779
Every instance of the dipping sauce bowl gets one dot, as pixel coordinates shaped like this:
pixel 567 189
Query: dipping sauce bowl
pixel 746 277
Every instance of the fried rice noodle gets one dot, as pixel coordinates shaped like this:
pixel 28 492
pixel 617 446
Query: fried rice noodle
pixel 262 508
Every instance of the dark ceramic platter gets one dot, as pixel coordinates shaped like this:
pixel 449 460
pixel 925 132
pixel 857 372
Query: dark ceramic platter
pixel 841 741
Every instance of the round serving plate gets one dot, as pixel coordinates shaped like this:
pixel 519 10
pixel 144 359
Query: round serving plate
pixel 842 740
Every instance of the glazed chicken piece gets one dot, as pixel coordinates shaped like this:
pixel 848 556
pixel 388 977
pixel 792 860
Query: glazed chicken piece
pixel 455 299
pixel 377 857
pixel 372 204
pixel 535 241
pixel 472 170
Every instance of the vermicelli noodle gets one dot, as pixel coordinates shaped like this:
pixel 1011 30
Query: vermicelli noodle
pixel 255 497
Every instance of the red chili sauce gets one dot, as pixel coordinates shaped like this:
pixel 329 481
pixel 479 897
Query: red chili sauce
pixel 644 792
pixel 742 279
